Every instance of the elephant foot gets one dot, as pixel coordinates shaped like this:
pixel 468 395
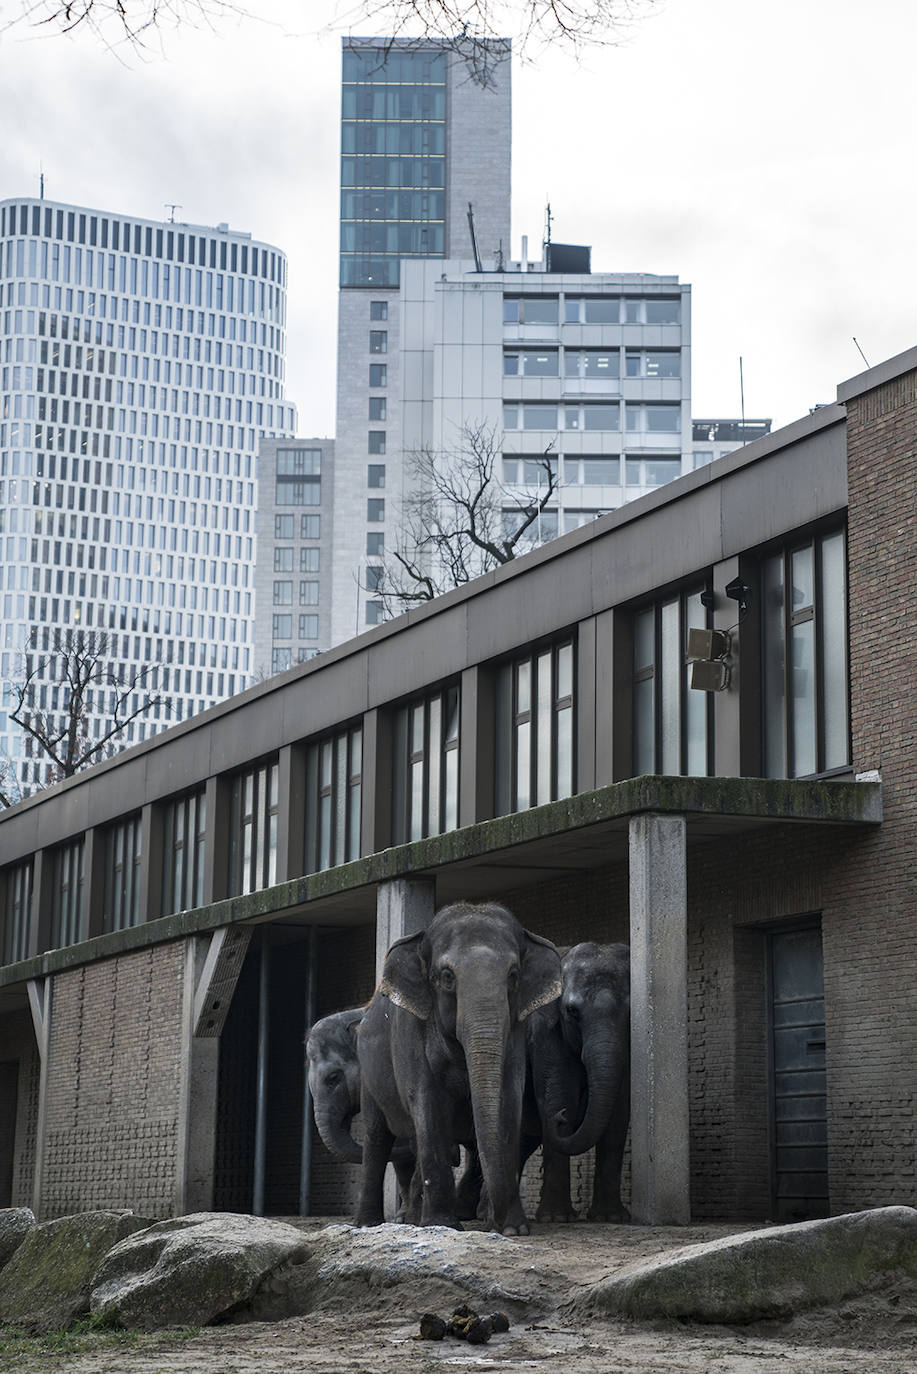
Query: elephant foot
pixel 516 1223
pixel 618 1214
pixel 368 1217
pixel 555 1214
pixel 443 1219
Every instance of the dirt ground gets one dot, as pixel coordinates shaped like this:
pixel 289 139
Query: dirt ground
pixel 371 1330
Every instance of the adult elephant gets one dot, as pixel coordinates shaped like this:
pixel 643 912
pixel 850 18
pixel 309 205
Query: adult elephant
pixel 334 1082
pixel 580 1072
pixel 442 1054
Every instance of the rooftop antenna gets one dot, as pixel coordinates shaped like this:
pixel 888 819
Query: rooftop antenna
pixel 742 395
pixel 860 351
pixel 169 206
pixel 547 222
pixel 41 187
pixel 474 240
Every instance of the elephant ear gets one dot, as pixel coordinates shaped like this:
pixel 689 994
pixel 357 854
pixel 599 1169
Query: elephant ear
pixel 404 977
pixel 540 982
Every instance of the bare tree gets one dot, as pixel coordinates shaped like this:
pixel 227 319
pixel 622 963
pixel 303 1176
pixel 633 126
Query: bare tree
pixel 470 26
pixel 79 671
pixel 114 21
pixel 459 518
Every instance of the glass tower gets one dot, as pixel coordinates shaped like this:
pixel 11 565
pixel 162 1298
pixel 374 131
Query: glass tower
pixel 393 161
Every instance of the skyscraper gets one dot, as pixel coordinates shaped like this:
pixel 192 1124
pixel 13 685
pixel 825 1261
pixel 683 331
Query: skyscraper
pixel 424 140
pixel 141 362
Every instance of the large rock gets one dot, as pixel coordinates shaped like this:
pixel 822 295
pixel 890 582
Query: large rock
pixel 193 1269
pixel 764 1274
pixel 15 1225
pixel 46 1283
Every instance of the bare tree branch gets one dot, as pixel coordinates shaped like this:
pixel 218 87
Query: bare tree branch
pixel 81 667
pixel 116 21
pixel 460 519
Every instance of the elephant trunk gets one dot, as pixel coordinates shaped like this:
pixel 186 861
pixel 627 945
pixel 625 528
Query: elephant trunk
pixel 334 1129
pixel 496 1112
pixel 600 1060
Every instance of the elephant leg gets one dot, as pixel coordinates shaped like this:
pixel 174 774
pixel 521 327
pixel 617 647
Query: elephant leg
pixel 404 1172
pixel 555 1204
pixel 609 1157
pixel 377 1146
pixel 468 1188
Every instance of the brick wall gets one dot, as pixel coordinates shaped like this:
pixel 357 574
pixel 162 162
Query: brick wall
pixel 113 1085
pixel 871 928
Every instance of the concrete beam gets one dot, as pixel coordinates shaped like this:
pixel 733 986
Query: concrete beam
pixel 660 1125
pixel 403 906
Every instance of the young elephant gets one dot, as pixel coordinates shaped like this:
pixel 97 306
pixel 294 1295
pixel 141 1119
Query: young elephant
pixel 580 1068
pixel 442 1053
pixel 334 1082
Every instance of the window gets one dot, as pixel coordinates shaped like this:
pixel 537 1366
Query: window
pixel 281 659
pixel 67 894
pixel 592 364
pixel 308 593
pixel 528 471
pixel 253 827
pixel 530 362
pixel 375 509
pixel 425 785
pixel 376 475
pixel 663 310
pixel 377 441
pixel 592 471
pixel 375 545
pixel 184 830
pixel 310 560
pixel 670 721
pixel 378 341
pixel 308 626
pixel 652 471
pixel 378 374
pixel 543 527
pixel 664 363
pixel 283 560
pixel 702 456
pixel 283 593
pixel 17 912
pixel 535 729
pixel 601 309
pixel 805 691
pixel 375 612
pixel 598 416
pixel 333 799
pixel 530 416
pixel 283 526
pixel 121 902
pixel 573 519
pixel 377 407
pixel 298 478
pixel 530 310
pixel 282 627
pixel 378 310
pixel 375 576
pixel 310 526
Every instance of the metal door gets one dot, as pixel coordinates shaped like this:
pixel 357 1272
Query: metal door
pixel 799 1114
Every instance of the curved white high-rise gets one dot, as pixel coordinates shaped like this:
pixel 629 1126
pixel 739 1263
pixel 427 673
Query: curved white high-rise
pixel 141 363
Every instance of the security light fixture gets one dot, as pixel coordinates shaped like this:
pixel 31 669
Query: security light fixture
pixel 737 590
pixel 707 653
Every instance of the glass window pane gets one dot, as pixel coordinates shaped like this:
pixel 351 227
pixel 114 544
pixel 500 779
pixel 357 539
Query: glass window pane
pixel 433 762
pixel 523 766
pixel 544 744
pixel 802 677
pixel 564 728
pixel 644 742
pixel 644 650
pixel 695 702
pixel 523 687
pixel 833 635
pixel 564 671
pixel 671 663
pixel 774 666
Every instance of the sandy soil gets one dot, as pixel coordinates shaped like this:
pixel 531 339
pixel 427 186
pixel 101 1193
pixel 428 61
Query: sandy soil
pixel 371 1330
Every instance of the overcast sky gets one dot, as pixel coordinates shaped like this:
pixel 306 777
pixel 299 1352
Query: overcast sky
pixel 764 153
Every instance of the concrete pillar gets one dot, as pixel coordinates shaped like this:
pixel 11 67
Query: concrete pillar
pixel 660 1124
pixel 403 906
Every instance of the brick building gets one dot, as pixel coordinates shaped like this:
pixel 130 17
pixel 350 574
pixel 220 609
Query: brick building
pixel 171 919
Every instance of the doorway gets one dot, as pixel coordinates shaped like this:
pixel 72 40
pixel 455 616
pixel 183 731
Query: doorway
pixel 799 1134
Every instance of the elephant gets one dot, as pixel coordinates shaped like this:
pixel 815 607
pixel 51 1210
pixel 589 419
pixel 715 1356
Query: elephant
pixel 442 1054
pixel 334 1082
pixel 580 1074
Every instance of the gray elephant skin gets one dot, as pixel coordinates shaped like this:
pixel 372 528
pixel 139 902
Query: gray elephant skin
pixel 580 1073
pixel 334 1082
pixel 443 1057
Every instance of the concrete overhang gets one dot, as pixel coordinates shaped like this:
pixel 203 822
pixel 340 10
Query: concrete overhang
pixel 491 858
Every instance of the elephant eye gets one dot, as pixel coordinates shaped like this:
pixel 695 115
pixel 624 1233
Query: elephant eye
pixel 512 979
pixel 333 1078
pixel 447 980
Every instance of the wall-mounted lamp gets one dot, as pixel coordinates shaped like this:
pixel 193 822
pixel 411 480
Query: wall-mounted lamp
pixel 737 590
pixel 708 651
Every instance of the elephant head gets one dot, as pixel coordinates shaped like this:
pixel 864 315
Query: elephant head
pixel 472 978
pixel 594 1033
pixel 334 1081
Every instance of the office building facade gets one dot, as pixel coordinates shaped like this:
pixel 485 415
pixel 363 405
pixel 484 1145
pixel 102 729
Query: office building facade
pixel 141 362
pixel 421 139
